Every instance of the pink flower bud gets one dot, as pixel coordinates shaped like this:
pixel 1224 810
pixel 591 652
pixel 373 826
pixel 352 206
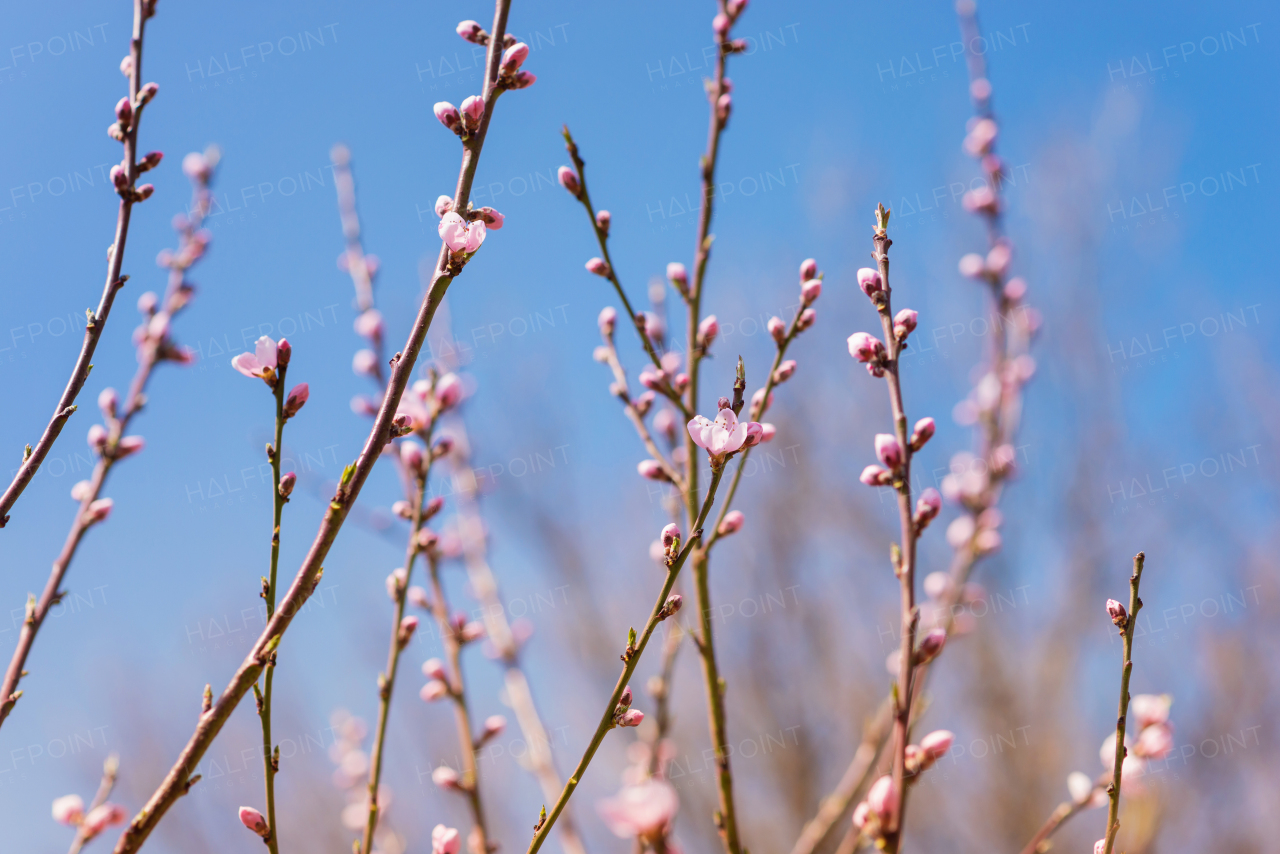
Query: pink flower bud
pixel 736 8
pixel 624 699
pixel 97 437
pixel 447 114
pixel 973 266
pixel 68 809
pixel 444 204
pixel 1151 709
pixel 652 470
pixel 777 329
pixel 756 398
pixel 569 180
pixel 287 481
pixel 810 290
pixel 732 524
pixel 82 490
pixel 603 219
pixel 107 401
pixel 678 276
pixel 472 631
pixel 981 136
pixel 472 112
pixel 888 451
pixel 442 448
pixel 523 80
pixel 419 599
pixel 806 319
pixel 494 725
pixel 147 92
pixel 785 371
pixel 100 510
pixel 408 626
pixel 808 269
pixel 865 347
pixel 296 400
pixel 369 324
pixel 445 840
pixel 445 777
pixel 365 362
pixel 150 161
pixel 724 106
pixel 608 320
pixel 931 646
pixel 632 717
pixel 876 476
pixel 670 535
pixel 755 434
pixel 119 177
pixel 1117 613
pixel 128 446
pixel 982 200
pixel 922 433
pixel 412 455
pixel 491 218
pixel 936 744
pixel 434 690
pixel 598 266
pixel 681 382
pixel 999 258
pixel 1100 847
pixel 904 323
pixel 708 329
pixel 870 282
pixel 473 32
pixel 448 391
pixel 720 25
pixel 124 111
pixel 927 507
pixel 513 57
pixel 882 797
pixel 255 821
pixel 767 432
pixel 860 813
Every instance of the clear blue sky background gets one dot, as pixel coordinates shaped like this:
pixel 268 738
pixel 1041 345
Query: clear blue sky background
pixel 1144 202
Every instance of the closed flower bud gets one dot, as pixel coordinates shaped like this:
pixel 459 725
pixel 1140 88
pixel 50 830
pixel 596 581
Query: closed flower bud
pixel 973 266
pixel 472 112
pixel 720 25
pixel 419 599
pixel 806 319
pixel 767 432
pixel 68 809
pixel 124 111
pixel 755 434
pixel 472 631
pixel 128 446
pixel 448 391
pixel 255 821
pixel 569 180
pixel 785 371
pixel 927 507
pixel 904 323
pixel 670 535
pixel 145 191
pixel 513 57
pixel 296 400
pixel 632 717
pixel 445 777
pixel 442 448
pixel 287 481
pixel 732 524
pixel 473 32
pixel 150 161
pixel 447 114
pixel 523 80
pixel 107 400
pixel 119 177
pixel 598 266
pixel 403 509
pixel 777 329
pixel 882 798
pixel 408 626
pixel 624 699
pixel 652 470
pixel 922 433
pixel 433 668
pixel 444 204
pixel 82 490
pixel 936 744
pixel 810 290
pixel 608 320
pixel 678 276
pixel 808 269
pixel 434 690
pixel 369 324
pixel 876 476
pixel 888 451
pixel 147 92
pixel 1117 612
pixel 870 282
pixel 931 646
pixel 865 347
pixel 724 106
pixel 491 218
pixel 708 329
pixel 494 725
pixel 603 219
pixel 412 455
pixel 100 510
pixel 982 200
pixel 365 362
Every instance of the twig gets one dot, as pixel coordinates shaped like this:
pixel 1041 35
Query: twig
pixel 129 194
pixel 1127 624
pixel 110 771
pixel 177 781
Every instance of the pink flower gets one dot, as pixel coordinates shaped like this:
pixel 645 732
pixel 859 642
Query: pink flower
pixel 888 450
pixel 810 290
pixel 472 112
pixel 102 817
pixel 777 329
pixel 973 266
pixel 1150 709
pixel 708 329
pixel 260 363
pixel 598 266
pixel 652 469
pixel 882 797
pixel 68 809
pixel 255 821
pixel 643 810
pixel 569 180
pixel 448 391
pixel 99 510
pixel 722 436
pixel 870 282
pixel 460 235
pixel 447 114
pixel 434 690
pixel 732 524
pixel 445 840
pixel 369 324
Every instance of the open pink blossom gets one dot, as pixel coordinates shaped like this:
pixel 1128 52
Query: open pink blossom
pixel 722 436
pixel 460 235
pixel 643 810
pixel 445 840
pixel 260 363
pixel 68 809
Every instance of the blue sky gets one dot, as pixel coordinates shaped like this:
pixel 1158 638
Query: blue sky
pixel 1142 143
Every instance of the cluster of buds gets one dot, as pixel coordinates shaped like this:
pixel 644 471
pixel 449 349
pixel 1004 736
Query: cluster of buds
pixel 463 235
pixel 724 21
pixel 1154 742
pixel 623 714
pixel 940 610
pixel 437 687
pixel 465 121
pixel 869 350
pixel 893 459
pixel 465 631
pixel 920 757
pixel 509 74
pixel 871 816
pixel 422 404
pixel 151 337
pixel 69 810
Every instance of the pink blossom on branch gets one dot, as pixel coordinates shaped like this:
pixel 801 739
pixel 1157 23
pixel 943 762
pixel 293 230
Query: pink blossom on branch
pixel 260 363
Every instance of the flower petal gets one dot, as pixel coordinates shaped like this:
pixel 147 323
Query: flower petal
pixel 265 350
pixel 475 235
pixel 247 364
